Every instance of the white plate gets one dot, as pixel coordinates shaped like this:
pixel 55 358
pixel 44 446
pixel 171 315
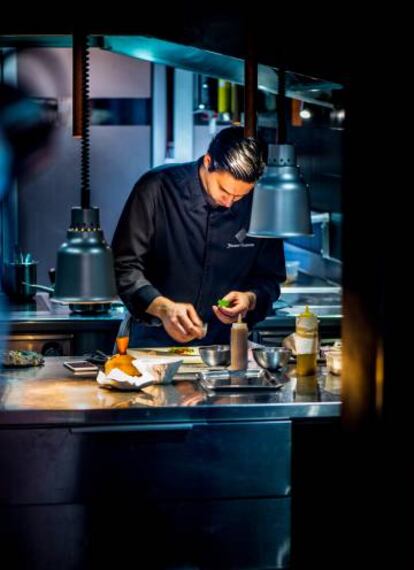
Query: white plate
pixel 166 351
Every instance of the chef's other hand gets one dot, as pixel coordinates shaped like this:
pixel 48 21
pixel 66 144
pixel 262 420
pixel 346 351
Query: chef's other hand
pixel 180 320
pixel 240 303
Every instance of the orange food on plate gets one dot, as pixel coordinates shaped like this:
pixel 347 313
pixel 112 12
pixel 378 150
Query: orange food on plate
pixel 124 363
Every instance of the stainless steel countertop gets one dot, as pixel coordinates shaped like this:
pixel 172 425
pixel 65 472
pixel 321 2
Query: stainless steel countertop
pixel 36 316
pixel 325 302
pixel 52 395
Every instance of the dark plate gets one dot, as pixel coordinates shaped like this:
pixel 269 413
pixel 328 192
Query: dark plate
pixel 28 355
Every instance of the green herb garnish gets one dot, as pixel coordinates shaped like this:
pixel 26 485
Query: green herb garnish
pixel 223 303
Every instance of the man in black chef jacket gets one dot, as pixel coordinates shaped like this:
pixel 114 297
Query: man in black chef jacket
pixel 181 244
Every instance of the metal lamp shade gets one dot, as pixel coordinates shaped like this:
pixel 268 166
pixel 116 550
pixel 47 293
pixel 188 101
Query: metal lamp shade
pixel 84 271
pixel 281 205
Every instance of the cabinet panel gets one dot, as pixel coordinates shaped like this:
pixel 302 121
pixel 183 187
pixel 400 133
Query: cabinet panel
pixel 193 535
pixel 246 459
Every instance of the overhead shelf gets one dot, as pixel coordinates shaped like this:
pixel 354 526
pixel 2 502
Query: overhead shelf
pixel 308 89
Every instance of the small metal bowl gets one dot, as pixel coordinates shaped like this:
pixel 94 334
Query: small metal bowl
pixel 272 358
pixel 215 355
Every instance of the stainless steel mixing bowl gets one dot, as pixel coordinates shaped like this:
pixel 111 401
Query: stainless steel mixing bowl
pixel 215 355
pixel 272 358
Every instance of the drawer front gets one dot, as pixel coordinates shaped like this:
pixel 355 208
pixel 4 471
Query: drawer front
pixel 246 459
pixel 230 534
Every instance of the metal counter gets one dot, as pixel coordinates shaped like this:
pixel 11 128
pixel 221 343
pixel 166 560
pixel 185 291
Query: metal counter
pixel 51 394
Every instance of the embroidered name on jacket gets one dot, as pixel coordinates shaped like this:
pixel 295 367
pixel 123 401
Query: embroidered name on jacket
pixel 240 237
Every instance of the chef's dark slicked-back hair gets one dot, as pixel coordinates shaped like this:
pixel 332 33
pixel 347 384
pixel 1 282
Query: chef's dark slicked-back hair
pixel 240 156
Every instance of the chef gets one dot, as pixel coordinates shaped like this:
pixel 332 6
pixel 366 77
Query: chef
pixel 181 244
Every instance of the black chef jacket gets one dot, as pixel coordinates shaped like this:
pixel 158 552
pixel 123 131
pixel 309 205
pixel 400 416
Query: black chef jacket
pixel 172 241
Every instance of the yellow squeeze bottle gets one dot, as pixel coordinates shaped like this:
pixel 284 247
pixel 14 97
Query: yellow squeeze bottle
pixel 306 342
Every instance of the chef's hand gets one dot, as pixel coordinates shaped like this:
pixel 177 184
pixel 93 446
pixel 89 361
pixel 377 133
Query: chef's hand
pixel 180 320
pixel 240 303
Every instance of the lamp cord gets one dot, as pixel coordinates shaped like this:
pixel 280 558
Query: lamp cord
pixel 281 106
pixel 81 111
pixel 85 146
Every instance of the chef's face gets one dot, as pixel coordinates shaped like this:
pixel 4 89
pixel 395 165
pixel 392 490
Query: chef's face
pixel 222 187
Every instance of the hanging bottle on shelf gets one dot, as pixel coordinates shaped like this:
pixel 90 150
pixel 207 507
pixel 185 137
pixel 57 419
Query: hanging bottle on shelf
pixel 205 102
pixel 235 105
pixel 203 93
pixel 224 99
pixel 169 153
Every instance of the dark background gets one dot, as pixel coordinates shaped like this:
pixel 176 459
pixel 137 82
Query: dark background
pixel 370 53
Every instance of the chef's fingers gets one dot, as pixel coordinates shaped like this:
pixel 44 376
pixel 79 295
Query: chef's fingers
pixel 197 327
pixel 222 318
pixel 186 324
pixel 231 311
pixel 231 296
pixel 190 328
pixel 177 325
pixel 192 313
pixel 236 304
pixel 227 320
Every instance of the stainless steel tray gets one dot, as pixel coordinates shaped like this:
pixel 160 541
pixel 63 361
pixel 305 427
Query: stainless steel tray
pixel 237 381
